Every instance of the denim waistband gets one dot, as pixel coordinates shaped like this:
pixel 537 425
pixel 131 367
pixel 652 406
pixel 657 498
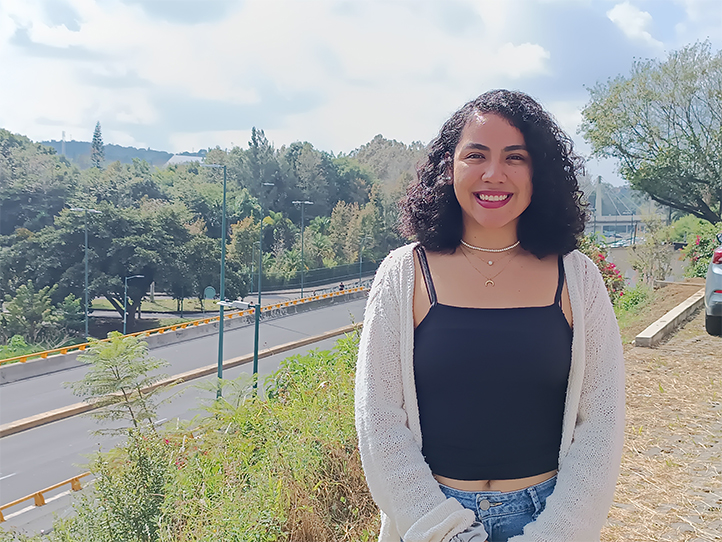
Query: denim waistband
pixel 492 503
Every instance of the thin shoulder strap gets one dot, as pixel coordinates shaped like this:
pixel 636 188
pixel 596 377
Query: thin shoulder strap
pixel 558 296
pixel 426 274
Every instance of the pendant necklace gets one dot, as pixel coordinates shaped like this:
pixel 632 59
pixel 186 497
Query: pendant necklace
pixel 490 279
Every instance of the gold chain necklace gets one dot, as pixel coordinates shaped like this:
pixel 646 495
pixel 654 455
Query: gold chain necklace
pixel 489 280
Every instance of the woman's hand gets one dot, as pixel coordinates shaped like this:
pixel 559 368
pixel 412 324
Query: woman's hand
pixel 475 533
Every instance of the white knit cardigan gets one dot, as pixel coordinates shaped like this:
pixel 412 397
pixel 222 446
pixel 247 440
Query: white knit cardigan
pixel 387 416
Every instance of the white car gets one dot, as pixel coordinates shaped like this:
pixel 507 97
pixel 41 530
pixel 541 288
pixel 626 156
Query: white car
pixel 713 293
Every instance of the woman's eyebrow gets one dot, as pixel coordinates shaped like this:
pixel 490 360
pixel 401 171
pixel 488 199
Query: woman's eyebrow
pixel 481 147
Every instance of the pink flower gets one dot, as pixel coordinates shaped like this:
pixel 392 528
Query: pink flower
pixel 697 241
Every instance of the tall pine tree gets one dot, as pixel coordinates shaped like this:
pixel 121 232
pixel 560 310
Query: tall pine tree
pixel 97 154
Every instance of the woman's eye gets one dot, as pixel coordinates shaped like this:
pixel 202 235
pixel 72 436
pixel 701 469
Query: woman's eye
pixel 475 155
pixel 516 157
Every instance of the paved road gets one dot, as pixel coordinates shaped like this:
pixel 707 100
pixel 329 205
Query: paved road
pixel 43 393
pixel 51 453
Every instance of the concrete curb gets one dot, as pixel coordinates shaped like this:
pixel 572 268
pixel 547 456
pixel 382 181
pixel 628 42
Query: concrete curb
pixel 80 408
pixel 664 327
pixel 60 362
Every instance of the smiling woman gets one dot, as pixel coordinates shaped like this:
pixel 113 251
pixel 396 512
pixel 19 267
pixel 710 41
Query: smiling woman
pixel 481 415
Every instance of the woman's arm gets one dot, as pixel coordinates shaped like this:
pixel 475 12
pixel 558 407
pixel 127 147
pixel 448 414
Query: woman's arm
pixel 398 477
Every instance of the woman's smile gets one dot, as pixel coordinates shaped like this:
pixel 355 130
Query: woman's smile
pixel 493 200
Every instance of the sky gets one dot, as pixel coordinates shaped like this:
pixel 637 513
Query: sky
pixel 181 75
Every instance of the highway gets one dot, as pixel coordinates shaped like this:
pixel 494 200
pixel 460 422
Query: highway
pixel 48 454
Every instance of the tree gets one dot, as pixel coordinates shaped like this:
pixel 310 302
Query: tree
pixel 652 258
pixel 35 183
pixel 664 124
pixel 29 313
pixel 122 242
pixel 118 380
pixel 97 153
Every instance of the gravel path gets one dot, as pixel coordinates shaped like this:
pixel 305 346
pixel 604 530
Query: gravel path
pixel 670 486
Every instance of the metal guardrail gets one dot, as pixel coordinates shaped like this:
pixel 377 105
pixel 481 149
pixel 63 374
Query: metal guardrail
pixel 39 496
pixel 201 321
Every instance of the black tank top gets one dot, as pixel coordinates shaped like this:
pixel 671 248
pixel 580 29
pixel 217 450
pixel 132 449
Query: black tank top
pixel 491 386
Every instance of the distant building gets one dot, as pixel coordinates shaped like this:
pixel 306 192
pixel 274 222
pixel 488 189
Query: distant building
pixel 178 159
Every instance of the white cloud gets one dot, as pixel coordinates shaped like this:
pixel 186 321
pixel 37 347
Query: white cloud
pixel 331 72
pixel 634 23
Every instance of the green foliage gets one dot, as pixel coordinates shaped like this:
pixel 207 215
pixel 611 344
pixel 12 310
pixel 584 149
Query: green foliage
pixel 284 468
pixel 701 242
pixel 633 298
pixel 630 309
pixel 597 250
pixel 35 184
pixel 165 224
pixel 17 346
pixel 652 258
pixel 685 228
pixel 119 380
pixel 70 313
pixel 29 314
pixel 127 497
pixel 664 124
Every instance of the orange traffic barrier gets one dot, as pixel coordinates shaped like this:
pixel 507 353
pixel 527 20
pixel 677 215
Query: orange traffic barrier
pixel 39 497
pixel 160 330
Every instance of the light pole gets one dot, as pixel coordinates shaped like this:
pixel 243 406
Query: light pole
pixel 303 267
pixel 125 298
pixel 257 310
pixel 253 265
pixel 361 258
pixel 86 211
pixel 222 293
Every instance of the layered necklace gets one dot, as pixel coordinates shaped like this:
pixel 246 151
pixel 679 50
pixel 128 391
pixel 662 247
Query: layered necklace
pixel 489 279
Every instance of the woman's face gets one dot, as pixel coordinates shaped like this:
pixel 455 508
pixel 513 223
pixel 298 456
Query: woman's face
pixel 492 175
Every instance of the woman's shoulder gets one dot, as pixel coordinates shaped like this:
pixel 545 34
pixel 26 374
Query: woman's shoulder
pixel 398 258
pixel 577 261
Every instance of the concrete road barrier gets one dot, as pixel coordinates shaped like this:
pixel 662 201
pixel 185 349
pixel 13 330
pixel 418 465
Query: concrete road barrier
pixel 665 326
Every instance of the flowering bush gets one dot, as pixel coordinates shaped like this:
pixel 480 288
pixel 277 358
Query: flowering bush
pixel 700 246
pixel 598 252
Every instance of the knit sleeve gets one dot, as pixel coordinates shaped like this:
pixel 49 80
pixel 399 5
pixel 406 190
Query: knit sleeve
pixel 578 507
pixel 400 481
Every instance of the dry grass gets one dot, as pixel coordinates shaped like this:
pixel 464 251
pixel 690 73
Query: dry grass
pixel 670 486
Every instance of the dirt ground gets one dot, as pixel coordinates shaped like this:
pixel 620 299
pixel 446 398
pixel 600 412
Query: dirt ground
pixel 670 485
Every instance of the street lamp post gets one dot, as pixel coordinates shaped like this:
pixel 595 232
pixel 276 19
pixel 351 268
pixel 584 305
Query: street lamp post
pixel 86 211
pixel 303 266
pixel 125 299
pixel 257 310
pixel 222 293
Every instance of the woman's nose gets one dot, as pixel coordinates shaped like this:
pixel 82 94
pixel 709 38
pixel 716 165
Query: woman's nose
pixel 493 171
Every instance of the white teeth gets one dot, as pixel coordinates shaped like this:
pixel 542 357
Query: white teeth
pixel 488 197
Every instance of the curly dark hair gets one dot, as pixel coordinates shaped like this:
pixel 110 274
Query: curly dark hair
pixel 555 217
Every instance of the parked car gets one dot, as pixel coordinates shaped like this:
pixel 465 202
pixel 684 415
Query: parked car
pixel 713 292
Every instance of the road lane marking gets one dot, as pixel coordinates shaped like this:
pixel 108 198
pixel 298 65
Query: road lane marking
pixel 7 476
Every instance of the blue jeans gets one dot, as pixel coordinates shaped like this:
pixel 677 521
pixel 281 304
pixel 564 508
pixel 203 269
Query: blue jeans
pixel 504 514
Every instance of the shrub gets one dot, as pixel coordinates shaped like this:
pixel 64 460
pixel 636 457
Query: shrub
pixel 597 250
pixel 283 468
pixel 699 248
